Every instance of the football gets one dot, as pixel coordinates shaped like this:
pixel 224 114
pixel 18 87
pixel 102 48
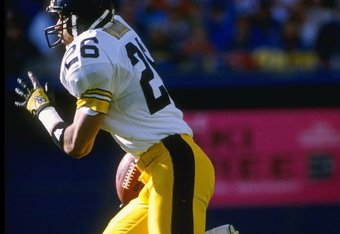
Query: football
pixel 127 184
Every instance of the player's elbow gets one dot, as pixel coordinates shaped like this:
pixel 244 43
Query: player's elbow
pixel 77 144
pixel 77 151
pixel 76 154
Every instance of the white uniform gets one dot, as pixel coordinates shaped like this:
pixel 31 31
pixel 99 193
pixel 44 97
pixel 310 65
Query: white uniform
pixel 109 70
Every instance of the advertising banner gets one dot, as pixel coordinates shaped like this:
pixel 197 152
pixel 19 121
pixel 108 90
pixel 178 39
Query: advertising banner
pixel 271 157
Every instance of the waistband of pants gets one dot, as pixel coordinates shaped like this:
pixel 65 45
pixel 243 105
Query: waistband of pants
pixel 154 152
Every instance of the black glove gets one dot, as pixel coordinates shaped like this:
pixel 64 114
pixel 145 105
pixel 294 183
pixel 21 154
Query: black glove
pixel 36 98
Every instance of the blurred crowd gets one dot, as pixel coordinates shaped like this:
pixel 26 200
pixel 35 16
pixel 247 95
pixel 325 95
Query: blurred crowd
pixel 200 35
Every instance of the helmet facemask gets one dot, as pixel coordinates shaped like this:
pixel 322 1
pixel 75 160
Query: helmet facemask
pixel 55 34
pixel 77 16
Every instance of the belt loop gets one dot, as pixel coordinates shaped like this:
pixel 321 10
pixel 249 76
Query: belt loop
pixel 140 164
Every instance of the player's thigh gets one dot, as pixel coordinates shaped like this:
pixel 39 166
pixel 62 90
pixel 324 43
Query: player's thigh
pixel 204 172
pixel 132 219
pixel 180 203
pixel 161 195
pixel 204 185
pixel 204 189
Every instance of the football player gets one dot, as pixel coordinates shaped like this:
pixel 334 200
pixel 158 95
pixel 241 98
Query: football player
pixel 113 77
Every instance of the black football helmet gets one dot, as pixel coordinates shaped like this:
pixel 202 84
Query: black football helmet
pixel 77 16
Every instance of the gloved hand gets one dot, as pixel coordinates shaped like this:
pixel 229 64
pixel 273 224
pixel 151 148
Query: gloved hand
pixel 35 98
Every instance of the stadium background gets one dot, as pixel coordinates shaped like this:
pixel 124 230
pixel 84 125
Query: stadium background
pixel 212 68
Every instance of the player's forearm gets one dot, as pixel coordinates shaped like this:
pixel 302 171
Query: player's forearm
pixel 63 134
pixel 54 124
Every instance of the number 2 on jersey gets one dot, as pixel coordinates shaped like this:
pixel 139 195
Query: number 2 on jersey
pixel 148 77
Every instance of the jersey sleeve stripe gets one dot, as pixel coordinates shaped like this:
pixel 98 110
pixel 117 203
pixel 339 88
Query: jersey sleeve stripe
pixel 94 103
pixel 97 96
pixel 101 92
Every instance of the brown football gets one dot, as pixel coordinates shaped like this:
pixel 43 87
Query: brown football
pixel 127 184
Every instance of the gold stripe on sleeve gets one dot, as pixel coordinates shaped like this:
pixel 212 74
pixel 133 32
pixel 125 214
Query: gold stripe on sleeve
pixel 96 99
pixel 95 104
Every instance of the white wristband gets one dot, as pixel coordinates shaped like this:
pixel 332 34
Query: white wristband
pixel 49 117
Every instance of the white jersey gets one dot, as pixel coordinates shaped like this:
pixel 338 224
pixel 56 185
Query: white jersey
pixel 109 70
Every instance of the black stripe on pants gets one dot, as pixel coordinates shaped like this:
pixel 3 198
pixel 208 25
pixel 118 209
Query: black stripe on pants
pixel 184 179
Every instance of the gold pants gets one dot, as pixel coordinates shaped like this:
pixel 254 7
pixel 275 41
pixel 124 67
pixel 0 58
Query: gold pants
pixel 179 182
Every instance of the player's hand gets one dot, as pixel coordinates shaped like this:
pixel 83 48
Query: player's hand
pixel 35 98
